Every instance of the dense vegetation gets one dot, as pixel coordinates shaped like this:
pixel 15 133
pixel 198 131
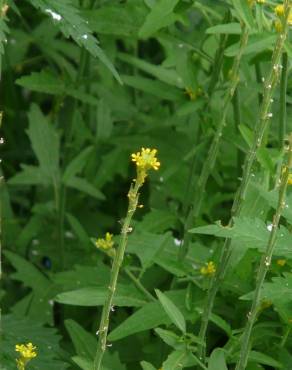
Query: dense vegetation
pixel 145 184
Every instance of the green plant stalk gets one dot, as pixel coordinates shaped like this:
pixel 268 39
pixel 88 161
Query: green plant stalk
pixel 283 89
pixel 264 264
pixel 139 285
pixel 213 152
pixel 133 196
pixel 237 122
pixel 261 126
pixel 217 67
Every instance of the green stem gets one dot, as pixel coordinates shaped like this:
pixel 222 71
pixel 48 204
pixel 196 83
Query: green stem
pixel 237 122
pixel 285 336
pixel 264 265
pixel 283 89
pixel 261 126
pixel 140 286
pixel 213 152
pixel 133 196
pixel 216 70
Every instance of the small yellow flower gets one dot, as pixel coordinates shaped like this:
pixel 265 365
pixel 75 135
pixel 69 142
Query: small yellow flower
pixel 281 262
pixel 209 269
pixel 105 243
pixel 289 180
pixel 146 159
pixel 279 10
pixel 27 352
pixel 278 26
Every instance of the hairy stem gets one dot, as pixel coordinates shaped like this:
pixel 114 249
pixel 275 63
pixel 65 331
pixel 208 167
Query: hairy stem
pixel 214 148
pixel 264 265
pixel 261 126
pixel 133 196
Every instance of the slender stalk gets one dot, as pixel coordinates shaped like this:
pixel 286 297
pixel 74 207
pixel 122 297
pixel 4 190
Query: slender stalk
pixel 216 70
pixel 285 336
pixel 283 89
pixel 133 196
pixel 237 122
pixel 260 129
pixel 213 152
pixel 264 265
pixel 139 285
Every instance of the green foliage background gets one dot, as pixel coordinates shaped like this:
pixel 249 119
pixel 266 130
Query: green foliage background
pixel 83 85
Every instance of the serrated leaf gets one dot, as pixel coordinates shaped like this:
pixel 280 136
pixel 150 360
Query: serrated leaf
pixel 45 142
pixel 161 15
pixel 172 311
pixel 77 164
pixel 68 18
pixel 43 82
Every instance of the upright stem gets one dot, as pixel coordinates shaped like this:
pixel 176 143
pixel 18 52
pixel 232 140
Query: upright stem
pixel 237 121
pixel 217 67
pixel 264 265
pixel 214 148
pixel 133 196
pixel 260 129
pixel 283 89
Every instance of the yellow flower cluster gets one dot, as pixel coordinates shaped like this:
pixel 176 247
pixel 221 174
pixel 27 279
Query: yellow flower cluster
pixel 209 269
pixel 145 160
pixel 27 352
pixel 105 243
pixel 279 11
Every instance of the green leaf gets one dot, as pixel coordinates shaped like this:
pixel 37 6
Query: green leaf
pixel 166 75
pixel 256 44
pixel 176 360
pixel 217 360
pixel 251 233
pixel 126 296
pixel 30 175
pixel 229 28
pixel 156 88
pixel 84 186
pixel 43 82
pixel 84 363
pixel 147 366
pixel 147 246
pixel 172 311
pixel 169 337
pixel 45 142
pixel 77 164
pixel 17 329
pixel 84 343
pixel 69 20
pixel 120 19
pixel 244 12
pixel 161 15
pixel 151 315
pixel 38 305
pixel 104 121
pixel 261 358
